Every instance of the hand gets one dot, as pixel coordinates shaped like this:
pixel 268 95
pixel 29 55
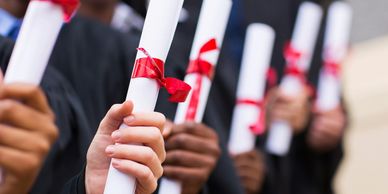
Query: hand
pixel 294 110
pixel 192 153
pixel 327 129
pixel 250 168
pixel 27 131
pixel 136 150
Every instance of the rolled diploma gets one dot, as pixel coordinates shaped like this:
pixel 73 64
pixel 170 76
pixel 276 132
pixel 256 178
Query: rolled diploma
pixel 304 38
pixel 158 31
pixel 211 24
pixel 34 45
pixel 258 49
pixel 335 48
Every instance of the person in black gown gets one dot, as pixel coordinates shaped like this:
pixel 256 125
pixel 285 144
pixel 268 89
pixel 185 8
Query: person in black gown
pixel 179 164
pixel 78 114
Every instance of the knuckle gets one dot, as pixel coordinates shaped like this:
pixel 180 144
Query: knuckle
pixel 161 119
pixel 52 132
pixel 160 172
pixel 162 157
pixel 154 134
pixel 175 156
pixel 148 154
pixel 146 174
pixel 6 108
pixel 43 147
pixel 180 140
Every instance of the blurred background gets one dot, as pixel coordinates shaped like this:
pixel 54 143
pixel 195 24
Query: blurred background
pixel 365 167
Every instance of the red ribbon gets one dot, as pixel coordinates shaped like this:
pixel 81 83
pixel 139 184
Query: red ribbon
pixel 332 67
pixel 258 127
pixel 293 57
pixel 153 68
pixel 68 6
pixel 272 77
pixel 200 67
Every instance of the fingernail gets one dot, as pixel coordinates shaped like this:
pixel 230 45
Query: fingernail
pixel 115 162
pixel 129 119
pixel 116 135
pixel 109 150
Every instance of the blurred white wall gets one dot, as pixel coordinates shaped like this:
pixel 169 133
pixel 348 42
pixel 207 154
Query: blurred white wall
pixel 365 167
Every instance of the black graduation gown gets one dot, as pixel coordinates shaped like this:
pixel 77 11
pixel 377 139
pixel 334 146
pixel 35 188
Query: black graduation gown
pixel 67 155
pixel 96 61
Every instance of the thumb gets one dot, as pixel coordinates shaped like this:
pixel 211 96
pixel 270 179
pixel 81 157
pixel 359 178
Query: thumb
pixel 115 116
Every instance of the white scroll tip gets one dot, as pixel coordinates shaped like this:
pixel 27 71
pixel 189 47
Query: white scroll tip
pixel 260 27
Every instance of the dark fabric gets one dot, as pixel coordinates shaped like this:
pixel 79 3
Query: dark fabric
pixel 76 185
pixel 67 155
pixel 95 59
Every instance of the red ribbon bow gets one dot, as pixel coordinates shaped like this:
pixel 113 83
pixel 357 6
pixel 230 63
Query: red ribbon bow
pixel 68 6
pixel 258 127
pixel 293 57
pixel 153 68
pixel 201 68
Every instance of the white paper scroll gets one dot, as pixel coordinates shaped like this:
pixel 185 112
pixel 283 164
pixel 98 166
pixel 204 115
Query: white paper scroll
pixel 33 48
pixel 258 49
pixel 211 24
pixel 335 50
pixel 303 40
pixel 36 40
pixel 158 31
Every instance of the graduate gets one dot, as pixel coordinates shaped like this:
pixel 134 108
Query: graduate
pixel 30 122
pixel 185 161
pixel 143 161
pixel 305 169
pixel 79 107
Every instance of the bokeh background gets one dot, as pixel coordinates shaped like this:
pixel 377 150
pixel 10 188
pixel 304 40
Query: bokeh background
pixel 365 167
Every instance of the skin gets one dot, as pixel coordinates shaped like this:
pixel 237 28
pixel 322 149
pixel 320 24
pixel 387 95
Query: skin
pixel 102 10
pixel 136 150
pixel 192 153
pixel 295 110
pixel 327 129
pixel 250 168
pixel 25 117
pixel 15 7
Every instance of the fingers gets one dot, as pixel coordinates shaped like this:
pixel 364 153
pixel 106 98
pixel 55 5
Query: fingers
pixel 16 114
pixel 146 119
pixel 185 174
pixel 144 176
pixel 183 141
pixel 188 159
pixel 28 94
pixel 197 129
pixel 136 153
pixel 26 163
pixel 23 140
pixel 114 118
pixel 148 136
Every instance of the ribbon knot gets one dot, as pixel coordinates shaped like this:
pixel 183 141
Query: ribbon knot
pixel 200 67
pixel 153 68
pixel 258 127
pixel 293 57
pixel 68 6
